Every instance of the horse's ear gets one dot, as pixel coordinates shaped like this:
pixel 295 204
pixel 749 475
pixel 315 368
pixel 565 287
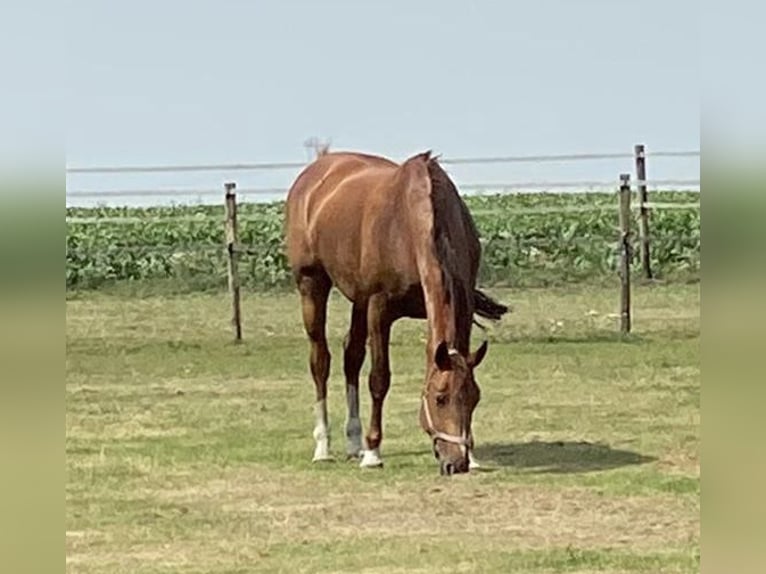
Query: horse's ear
pixel 424 156
pixel 476 358
pixel 442 358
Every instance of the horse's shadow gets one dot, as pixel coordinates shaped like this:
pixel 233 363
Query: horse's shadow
pixel 557 457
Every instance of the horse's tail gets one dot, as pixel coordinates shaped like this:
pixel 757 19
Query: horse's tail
pixel 487 307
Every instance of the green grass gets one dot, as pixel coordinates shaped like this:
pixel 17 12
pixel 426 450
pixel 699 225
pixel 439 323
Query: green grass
pixel 188 453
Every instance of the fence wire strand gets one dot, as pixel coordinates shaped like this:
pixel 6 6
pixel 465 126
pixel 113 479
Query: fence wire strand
pixel 208 191
pixel 256 166
pixel 478 189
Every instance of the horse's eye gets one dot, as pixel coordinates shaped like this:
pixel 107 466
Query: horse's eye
pixel 442 399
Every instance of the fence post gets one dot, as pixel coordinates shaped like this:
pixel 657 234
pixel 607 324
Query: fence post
pixel 232 243
pixel 625 253
pixel 643 198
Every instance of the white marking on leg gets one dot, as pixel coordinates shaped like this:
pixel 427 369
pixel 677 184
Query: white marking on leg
pixel 353 424
pixel 473 464
pixel 321 432
pixel 371 458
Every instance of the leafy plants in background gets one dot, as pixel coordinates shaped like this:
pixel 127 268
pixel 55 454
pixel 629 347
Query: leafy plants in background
pixel 528 240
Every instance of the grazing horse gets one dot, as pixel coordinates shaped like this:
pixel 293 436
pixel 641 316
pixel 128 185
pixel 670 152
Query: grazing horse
pixel 397 241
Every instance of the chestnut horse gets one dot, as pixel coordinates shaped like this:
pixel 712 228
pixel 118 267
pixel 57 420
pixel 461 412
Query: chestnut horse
pixel 397 241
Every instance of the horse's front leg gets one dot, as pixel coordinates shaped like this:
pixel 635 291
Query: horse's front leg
pixel 473 464
pixel 353 359
pixel 379 326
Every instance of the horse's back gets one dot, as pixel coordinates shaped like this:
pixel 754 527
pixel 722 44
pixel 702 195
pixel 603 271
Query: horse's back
pixel 324 175
pixel 338 212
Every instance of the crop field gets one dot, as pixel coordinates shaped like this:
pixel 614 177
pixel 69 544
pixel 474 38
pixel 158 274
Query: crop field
pixel 529 240
pixel 189 453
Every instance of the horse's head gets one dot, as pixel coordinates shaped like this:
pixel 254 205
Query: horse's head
pixel 450 397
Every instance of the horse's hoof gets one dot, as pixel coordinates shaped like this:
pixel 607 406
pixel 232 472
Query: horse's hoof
pixel 322 453
pixel 473 464
pixel 371 459
pixel 326 458
pixel 354 450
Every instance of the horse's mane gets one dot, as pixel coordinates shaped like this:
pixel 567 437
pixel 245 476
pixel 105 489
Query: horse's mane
pixel 455 274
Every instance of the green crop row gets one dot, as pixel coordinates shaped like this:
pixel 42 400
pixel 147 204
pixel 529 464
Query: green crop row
pixel 556 245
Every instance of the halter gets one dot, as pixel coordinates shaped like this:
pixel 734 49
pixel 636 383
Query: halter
pixel 437 434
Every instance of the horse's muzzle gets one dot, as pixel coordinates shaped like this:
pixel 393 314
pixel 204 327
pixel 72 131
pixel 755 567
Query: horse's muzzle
pixel 448 468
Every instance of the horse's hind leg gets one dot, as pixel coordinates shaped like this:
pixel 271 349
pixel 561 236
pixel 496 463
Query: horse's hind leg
pixel 353 359
pixel 314 290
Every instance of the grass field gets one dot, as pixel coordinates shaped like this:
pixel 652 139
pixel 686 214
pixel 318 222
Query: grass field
pixel 187 453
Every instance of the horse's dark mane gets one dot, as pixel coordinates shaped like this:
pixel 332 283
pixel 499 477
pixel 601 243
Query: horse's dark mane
pixel 444 199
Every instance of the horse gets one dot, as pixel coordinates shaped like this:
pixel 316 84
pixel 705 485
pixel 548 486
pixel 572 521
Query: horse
pixel 397 241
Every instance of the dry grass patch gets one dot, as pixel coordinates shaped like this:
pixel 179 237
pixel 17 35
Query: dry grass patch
pixel 526 516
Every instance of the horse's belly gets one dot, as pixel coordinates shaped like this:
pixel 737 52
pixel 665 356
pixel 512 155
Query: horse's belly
pixel 366 279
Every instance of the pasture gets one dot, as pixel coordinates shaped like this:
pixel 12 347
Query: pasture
pixel 188 453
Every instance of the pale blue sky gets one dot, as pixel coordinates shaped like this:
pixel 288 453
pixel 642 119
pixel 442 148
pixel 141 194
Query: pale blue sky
pixel 234 81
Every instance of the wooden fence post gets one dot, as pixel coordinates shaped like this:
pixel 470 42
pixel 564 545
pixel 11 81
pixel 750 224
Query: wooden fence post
pixel 643 199
pixel 232 244
pixel 625 253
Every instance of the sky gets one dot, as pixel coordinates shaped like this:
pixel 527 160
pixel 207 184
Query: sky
pixel 185 82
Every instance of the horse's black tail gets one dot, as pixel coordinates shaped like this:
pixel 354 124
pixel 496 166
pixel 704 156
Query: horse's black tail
pixel 487 307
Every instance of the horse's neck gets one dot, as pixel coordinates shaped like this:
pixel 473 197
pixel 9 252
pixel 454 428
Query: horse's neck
pixel 440 314
pixel 444 312
pixel 446 306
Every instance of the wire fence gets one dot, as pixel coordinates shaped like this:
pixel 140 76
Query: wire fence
pixel 278 193
pixel 145 244
pixel 260 166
